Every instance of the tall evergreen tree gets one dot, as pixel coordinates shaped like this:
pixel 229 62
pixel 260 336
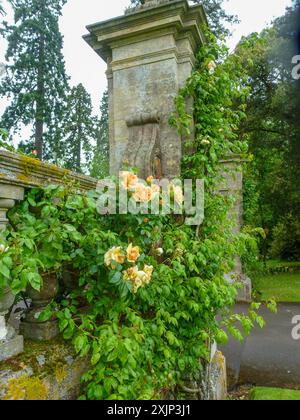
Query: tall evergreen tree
pixel 216 14
pixel 36 82
pixel 100 165
pixel 78 129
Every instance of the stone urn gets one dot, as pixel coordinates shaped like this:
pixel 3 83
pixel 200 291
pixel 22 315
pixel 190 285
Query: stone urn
pixel 70 278
pixel 11 344
pixel 31 327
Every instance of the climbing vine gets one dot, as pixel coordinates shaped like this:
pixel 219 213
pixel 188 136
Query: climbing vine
pixel 149 294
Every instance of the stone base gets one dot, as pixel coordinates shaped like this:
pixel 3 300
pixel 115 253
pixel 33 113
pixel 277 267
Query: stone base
pixel 11 348
pixel 45 371
pixel 39 331
pixel 218 378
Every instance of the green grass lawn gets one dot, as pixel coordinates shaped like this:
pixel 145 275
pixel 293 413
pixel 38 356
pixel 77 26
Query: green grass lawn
pixel 274 394
pixel 282 287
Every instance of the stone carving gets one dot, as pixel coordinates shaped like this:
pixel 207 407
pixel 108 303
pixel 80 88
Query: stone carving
pixel 143 149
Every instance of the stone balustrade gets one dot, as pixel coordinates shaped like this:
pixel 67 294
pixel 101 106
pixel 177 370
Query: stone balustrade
pixel 17 173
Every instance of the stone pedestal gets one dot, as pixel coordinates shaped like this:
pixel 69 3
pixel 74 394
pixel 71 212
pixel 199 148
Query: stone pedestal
pixel 31 327
pixel 232 172
pixel 150 53
pixel 11 344
pixel 218 378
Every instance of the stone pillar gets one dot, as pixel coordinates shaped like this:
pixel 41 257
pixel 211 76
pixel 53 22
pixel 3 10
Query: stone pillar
pixel 11 344
pixel 232 172
pixel 150 53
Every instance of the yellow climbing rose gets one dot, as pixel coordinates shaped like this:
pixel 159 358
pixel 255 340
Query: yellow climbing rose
pixel 133 253
pixel 115 254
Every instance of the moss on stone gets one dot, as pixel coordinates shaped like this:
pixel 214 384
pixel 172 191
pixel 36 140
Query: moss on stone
pixel 29 164
pixel 26 388
pixel 45 371
pixel 54 354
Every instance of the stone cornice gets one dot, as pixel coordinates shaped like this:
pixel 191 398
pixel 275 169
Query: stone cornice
pixel 22 171
pixel 176 15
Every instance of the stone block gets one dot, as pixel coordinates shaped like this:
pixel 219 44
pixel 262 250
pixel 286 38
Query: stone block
pixel 45 371
pixel 40 331
pixel 11 348
pixel 218 378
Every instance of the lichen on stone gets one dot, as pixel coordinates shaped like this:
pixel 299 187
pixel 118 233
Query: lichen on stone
pixel 26 388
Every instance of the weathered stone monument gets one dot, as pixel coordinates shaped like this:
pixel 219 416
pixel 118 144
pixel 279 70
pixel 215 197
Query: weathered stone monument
pixel 150 53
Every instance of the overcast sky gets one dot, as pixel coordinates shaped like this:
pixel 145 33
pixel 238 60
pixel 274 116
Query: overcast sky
pixel 85 66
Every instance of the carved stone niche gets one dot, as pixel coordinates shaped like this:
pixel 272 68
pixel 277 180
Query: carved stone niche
pixel 143 150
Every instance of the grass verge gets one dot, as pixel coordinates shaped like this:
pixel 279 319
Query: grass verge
pixel 282 287
pixel 274 394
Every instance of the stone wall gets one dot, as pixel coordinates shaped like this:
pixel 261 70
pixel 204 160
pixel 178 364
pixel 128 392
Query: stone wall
pixel 48 370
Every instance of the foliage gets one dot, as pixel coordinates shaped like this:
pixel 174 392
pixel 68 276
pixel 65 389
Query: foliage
pixel 99 167
pixel 78 129
pixel 151 293
pixel 217 16
pixel 272 194
pixel 4 144
pixel 36 82
pixel 219 93
pixel 286 239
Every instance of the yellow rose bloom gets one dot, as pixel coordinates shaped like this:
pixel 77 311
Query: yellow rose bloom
pixel 130 274
pixel 148 270
pixel 129 179
pixel 138 278
pixel 115 254
pixel 133 253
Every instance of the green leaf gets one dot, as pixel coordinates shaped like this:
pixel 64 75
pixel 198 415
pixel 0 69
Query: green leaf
pixel 116 277
pixel 45 315
pixel 79 343
pixel 95 358
pixel 35 281
pixel 4 270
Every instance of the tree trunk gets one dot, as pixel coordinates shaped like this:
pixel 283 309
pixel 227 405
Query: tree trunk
pixel 40 100
pixel 78 154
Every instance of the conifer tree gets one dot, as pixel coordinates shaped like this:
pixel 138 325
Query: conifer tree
pixel 36 81
pixel 78 130
pixel 100 165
